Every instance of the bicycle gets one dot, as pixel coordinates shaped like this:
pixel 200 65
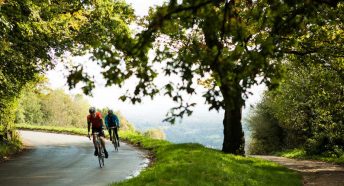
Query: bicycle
pixel 100 149
pixel 114 138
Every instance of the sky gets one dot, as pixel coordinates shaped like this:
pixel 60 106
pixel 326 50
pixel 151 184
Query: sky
pixel 142 6
pixel 149 111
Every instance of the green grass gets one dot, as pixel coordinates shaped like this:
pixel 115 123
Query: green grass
pixel 64 130
pixel 193 164
pixel 295 153
pixel 9 149
pixel 301 154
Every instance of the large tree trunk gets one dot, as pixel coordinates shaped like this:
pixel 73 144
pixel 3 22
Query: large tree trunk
pixel 233 141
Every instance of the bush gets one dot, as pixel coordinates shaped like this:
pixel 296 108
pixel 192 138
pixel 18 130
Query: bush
pixel 266 135
pixel 308 108
pixel 155 134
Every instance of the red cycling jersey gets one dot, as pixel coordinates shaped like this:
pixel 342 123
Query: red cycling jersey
pixel 95 121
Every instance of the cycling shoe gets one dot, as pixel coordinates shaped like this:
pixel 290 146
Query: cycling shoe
pixel 106 154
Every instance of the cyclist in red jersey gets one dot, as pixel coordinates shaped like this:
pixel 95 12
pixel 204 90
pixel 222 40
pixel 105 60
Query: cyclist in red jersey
pixel 95 119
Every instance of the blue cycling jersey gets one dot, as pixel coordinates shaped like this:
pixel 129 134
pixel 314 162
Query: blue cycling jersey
pixel 111 120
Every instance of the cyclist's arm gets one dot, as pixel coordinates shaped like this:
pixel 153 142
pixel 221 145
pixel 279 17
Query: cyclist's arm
pixel 106 121
pixel 103 126
pixel 117 121
pixel 88 127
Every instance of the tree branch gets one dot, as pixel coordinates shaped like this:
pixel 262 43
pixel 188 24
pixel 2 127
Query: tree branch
pixel 332 3
pixel 159 19
pixel 299 53
pixel 223 30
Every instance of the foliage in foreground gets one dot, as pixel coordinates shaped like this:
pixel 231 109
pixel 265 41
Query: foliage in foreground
pixel 34 34
pixel 193 164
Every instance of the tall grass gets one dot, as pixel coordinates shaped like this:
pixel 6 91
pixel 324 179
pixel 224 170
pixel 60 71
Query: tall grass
pixel 9 148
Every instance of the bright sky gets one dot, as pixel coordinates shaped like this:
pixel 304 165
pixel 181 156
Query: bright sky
pixel 142 6
pixel 149 111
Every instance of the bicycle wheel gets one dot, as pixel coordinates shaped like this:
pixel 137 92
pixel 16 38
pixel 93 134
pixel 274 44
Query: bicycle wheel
pixel 114 141
pixel 103 155
pixel 115 144
pixel 100 155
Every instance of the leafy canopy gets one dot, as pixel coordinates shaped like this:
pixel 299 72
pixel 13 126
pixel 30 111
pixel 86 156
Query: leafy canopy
pixel 34 33
pixel 225 45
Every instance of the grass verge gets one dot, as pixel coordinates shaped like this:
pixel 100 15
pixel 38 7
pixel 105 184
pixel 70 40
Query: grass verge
pixel 193 164
pixel 301 154
pixel 9 149
pixel 63 130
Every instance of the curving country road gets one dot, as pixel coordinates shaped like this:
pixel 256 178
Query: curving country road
pixel 57 159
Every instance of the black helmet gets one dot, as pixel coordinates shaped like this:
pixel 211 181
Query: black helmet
pixel 92 110
pixel 110 111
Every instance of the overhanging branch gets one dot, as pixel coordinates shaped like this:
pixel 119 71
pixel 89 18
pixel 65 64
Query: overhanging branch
pixel 159 19
pixel 299 53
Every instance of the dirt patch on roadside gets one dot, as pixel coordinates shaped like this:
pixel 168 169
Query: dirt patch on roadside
pixel 314 173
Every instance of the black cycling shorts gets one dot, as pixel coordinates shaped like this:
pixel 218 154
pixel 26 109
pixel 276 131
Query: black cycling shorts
pixel 100 130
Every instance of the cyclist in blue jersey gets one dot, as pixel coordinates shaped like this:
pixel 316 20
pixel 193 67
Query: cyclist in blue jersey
pixel 111 120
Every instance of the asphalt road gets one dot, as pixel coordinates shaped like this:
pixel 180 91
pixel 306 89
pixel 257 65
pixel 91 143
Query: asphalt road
pixel 57 159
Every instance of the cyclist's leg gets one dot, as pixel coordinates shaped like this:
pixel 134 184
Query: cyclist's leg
pixel 115 141
pixel 110 133
pixel 116 133
pixel 94 142
pixel 102 141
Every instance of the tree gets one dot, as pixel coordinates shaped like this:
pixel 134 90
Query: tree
pixel 61 109
pixel 310 104
pixel 79 110
pixel 33 34
pixel 39 105
pixel 233 42
pixel 29 109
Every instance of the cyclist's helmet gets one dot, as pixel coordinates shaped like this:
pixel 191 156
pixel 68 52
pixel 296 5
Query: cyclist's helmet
pixel 92 110
pixel 110 111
